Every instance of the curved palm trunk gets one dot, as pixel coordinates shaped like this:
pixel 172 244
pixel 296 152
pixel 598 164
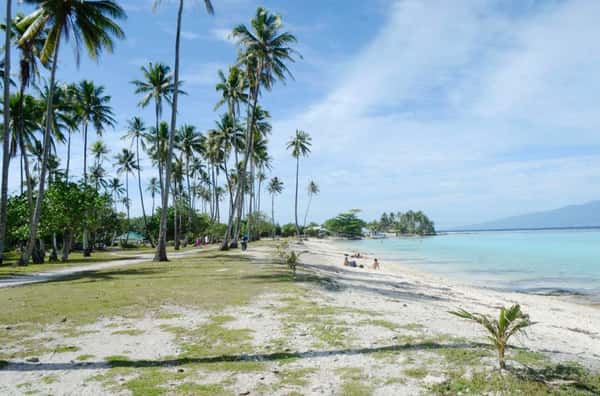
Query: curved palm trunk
pixel 190 202
pixel 273 213
pixel 68 156
pixel 242 178
pixel 33 228
pixel 161 250
pixel 307 209
pixel 175 217
pixel 137 152
pixel 27 175
pixel 296 199
pixel 158 145
pixel 85 131
pixel 127 204
pixel 5 140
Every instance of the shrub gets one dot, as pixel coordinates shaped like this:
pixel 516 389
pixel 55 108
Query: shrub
pixel 510 321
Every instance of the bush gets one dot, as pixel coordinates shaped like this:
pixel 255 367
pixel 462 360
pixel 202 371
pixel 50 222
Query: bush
pixel 288 230
pixel 510 321
pixel 288 256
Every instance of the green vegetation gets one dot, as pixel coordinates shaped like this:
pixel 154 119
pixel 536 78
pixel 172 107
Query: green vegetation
pixel 408 223
pixel 346 225
pixel 55 214
pixel 511 321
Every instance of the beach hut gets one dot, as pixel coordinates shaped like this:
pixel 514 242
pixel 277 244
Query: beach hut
pixel 131 237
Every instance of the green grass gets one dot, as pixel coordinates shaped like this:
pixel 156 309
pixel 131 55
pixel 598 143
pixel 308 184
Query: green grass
pixel 129 332
pixel 66 348
pixel 131 290
pixel 416 372
pixel 553 380
pixel 8 267
pixel 49 379
pixel 84 357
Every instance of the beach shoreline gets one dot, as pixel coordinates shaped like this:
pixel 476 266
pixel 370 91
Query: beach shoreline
pixel 396 264
pixel 566 328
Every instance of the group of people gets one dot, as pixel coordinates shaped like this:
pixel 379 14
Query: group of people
pixel 352 263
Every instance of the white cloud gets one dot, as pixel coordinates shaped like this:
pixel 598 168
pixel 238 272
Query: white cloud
pixel 222 35
pixel 442 108
pixel 202 74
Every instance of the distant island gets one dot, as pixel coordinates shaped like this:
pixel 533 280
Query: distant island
pixel 407 223
pixel 573 216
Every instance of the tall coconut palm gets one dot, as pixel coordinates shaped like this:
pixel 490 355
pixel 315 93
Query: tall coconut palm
pixel 92 107
pixel 313 189
pixel 161 250
pixel 262 128
pixel 190 142
pixel 28 71
pixel 5 137
pixel 99 150
pixel 275 187
pixel 135 133
pixel 264 51
pixel 26 119
pixel 153 188
pixel 157 86
pixel 126 164
pixel 233 90
pixel 116 189
pixel 300 146
pixel 87 22
pixel 177 179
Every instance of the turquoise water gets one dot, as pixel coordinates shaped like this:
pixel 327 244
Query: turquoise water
pixel 530 261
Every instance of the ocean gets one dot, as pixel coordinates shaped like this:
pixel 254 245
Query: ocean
pixel 540 261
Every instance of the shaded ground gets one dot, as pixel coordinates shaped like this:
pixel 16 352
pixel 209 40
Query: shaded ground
pixel 18 276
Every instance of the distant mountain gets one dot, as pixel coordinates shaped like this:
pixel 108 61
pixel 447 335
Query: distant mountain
pixel 585 215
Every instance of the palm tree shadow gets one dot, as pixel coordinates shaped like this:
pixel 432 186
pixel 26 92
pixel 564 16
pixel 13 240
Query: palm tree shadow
pixel 258 357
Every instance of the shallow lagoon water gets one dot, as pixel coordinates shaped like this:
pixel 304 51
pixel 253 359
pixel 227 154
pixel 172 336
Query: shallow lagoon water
pixel 544 261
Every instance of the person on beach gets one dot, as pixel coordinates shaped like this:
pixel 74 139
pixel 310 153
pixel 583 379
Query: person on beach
pixel 348 263
pixel 375 264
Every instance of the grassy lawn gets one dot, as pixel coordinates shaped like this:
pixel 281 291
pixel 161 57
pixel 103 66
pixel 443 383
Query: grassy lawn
pixel 8 268
pixel 215 353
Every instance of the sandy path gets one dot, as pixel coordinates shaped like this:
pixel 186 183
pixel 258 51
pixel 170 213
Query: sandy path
pixel 45 276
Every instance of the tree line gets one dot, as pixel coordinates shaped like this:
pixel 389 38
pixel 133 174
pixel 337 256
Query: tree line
pixel 407 223
pixel 196 171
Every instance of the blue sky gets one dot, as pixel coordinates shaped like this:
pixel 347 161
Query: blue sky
pixel 469 110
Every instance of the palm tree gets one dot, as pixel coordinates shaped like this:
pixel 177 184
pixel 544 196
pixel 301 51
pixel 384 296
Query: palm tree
pixel 161 250
pixel 153 188
pixel 275 187
pixel 87 22
pixel 313 189
pixel 92 106
pixel 99 151
pixel 233 90
pixel 511 321
pixel 300 146
pixel 26 119
pixel 97 176
pixel 156 86
pixel 136 132
pixel 264 51
pixel 190 142
pixel 5 140
pixel 116 190
pixel 177 176
pixel 126 164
